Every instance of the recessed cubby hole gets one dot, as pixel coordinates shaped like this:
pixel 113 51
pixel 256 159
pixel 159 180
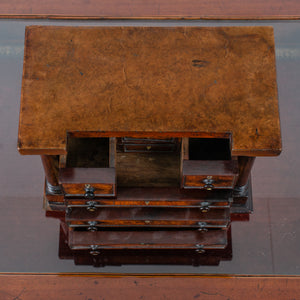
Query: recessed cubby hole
pixel 148 162
pixel 88 153
pixel 209 149
pixel 141 162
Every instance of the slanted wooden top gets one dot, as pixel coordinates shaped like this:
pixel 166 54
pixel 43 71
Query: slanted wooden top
pixel 149 81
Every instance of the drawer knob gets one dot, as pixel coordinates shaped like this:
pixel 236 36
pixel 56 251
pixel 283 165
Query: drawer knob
pixel 89 192
pixel 92 226
pixel 199 248
pixel 91 206
pixel 204 207
pixel 202 226
pixel 208 181
pixel 94 250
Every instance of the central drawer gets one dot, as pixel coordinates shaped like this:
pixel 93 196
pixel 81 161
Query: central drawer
pixel 158 197
pixel 150 239
pixel 148 217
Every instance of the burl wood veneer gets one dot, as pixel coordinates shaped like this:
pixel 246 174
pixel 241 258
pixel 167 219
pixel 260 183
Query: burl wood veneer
pixel 149 82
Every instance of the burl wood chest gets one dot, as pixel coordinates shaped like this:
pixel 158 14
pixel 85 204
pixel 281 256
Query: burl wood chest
pixel 148 134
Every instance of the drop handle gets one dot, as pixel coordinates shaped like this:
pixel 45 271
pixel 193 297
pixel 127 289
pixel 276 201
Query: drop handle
pixel 200 249
pixel 94 250
pixel 91 206
pixel 92 226
pixel 202 226
pixel 204 207
pixel 208 183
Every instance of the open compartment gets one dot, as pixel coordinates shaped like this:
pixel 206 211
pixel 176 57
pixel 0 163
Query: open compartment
pixel 148 162
pixel 88 169
pixel 206 163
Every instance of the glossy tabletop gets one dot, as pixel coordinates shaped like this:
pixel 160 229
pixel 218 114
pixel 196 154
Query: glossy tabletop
pixel 268 243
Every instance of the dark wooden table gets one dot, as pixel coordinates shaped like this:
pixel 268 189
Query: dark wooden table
pixel 265 250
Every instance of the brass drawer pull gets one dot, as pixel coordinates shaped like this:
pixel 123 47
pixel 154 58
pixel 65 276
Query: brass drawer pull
pixel 204 207
pixel 89 192
pixel 94 250
pixel 202 226
pixel 91 206
pixel 208 181
pixel 199 248
pixel 92 226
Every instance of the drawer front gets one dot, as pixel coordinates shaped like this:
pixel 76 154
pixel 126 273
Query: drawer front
pixel 88 183
pixel 196 224
pixel 88 190
pixel 149 217
pixel 164 239
pixel 208 182
pixel 149 148
pixel 158 197
pixel 147 145
pixel 209 175
pixel 201 204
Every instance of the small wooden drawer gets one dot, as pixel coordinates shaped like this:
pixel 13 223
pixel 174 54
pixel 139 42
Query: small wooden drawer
pixel 143 145
pixel 209 174
pixel 88 183
pixel 159 197
pixel 148 217
pixel 149 239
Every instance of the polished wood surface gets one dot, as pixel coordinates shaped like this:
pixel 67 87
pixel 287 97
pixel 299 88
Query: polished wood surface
pixel 245 167
pixel 163 197
pixel 150 239
pixel 182 9
pixel 50 164
pixel 75 180
pixel 148 217
pixel 149 81
pixel 266 247
pixel 179 287
pixel 209 174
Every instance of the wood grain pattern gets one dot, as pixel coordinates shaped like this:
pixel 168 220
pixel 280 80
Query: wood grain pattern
pixel 210 167
pixel 155 169
pixel 245 166
pixel 149 217
pixel 146 256
pixel 162 197
pixel 50 164
pixel 80 286
pixel 74 180
pixel 87 175
pixel 197 181
pixel 223 173
pixel 186 9
pixel 149 82
pixel 150 239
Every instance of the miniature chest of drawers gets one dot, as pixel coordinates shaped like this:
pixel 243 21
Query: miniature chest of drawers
pixel 148 134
